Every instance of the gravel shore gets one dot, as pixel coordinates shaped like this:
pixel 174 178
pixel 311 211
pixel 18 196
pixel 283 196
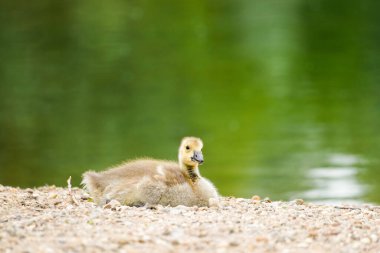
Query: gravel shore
pixel 50 219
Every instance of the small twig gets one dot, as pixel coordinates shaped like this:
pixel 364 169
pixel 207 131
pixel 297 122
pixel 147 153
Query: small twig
pixel 73 198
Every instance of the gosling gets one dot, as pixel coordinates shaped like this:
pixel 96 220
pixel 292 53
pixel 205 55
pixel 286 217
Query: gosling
pixel 150 181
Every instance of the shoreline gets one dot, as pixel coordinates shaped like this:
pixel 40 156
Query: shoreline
pixel 55 219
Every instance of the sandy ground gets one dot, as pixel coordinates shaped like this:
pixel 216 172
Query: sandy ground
pixel 46 219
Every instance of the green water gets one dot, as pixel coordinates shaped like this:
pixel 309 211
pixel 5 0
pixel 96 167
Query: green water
pixel 284 94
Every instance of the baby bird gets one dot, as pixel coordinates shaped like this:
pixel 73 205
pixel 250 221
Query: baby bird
pixel 149 181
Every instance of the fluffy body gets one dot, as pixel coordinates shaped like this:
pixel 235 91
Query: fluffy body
pixel 150 181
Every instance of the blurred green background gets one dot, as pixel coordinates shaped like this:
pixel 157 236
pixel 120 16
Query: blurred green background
pixel 284 94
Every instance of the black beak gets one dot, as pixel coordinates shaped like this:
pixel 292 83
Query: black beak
pixel 198 157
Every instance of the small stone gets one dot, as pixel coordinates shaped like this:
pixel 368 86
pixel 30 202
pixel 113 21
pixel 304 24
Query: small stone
pixel 85 196
pixel 202 233
pixel 175 242
pixel 213 202
pixel 166 232
pixel 374 238
pixel 150 206
pixel 256 198
pixel 53 196
pixel 365 240
pixel 262 239
pixel 299 201
pixel 234 244
pixel 123 241
pixel 113 205
pixel 267 200
pixel 57 202
pixel 281 226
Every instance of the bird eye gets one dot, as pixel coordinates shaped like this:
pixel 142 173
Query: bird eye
pixel 187 147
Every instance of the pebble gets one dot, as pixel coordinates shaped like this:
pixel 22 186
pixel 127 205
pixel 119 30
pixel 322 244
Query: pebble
pixel 374 238
pixel 53 195
pixel 267 200
pixel 313 233
pixel 113 205
pixel 299 201
pixel 239 200
pixel 213 202
pixel 365 240
pixel 256 198
pixel 238 225
pixel 234 244
pixel 262 239
pixel 85 196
